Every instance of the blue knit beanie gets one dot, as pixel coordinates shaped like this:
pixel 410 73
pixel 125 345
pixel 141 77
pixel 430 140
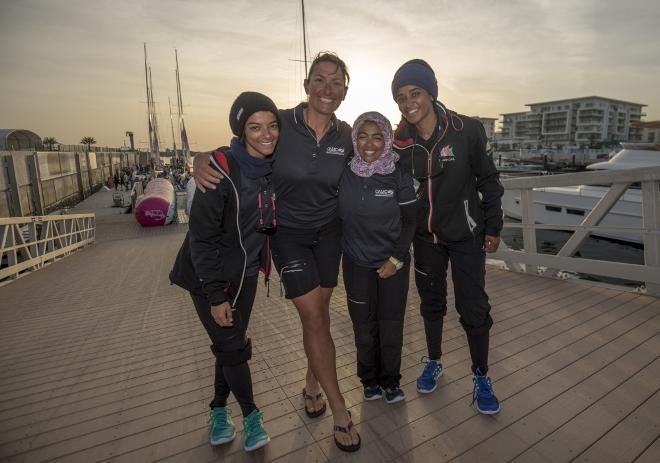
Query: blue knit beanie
pixel 415 72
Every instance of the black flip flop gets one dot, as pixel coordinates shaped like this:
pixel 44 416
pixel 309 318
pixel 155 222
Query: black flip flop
pixel 314 398
pixel 346 430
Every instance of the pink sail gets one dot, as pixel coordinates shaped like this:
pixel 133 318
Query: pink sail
pixel 157 205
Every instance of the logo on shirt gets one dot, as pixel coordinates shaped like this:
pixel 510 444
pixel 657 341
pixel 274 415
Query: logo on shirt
pixel 383 193
pixel 335 150
pixel 447 153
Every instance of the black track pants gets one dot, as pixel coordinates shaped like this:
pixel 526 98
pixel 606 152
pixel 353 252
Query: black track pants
pixel 377 307
pixel 468 265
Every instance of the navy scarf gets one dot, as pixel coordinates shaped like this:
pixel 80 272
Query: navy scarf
pixel 250 166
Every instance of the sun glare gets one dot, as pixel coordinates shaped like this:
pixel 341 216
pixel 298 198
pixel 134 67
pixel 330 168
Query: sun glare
pixel 369 90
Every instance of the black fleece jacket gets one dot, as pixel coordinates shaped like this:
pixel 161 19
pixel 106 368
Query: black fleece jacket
pixel 214 255
pixel 459 195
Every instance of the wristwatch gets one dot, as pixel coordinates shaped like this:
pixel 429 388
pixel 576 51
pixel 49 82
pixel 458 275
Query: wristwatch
pixel 397 263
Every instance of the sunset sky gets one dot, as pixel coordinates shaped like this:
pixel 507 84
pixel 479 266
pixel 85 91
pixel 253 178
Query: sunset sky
pixel 74 68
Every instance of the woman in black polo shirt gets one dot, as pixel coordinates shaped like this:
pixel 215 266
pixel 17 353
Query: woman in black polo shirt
pixel 377 209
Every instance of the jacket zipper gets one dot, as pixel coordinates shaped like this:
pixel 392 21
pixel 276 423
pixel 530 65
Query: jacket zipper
pixel 470 221
pixel 429 157
pixel 430 195
pixel 238 229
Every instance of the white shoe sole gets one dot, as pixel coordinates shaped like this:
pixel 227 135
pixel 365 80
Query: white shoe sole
pixel 398 398
pixel 258 445
pixel 427 391
pixel 224 440
pixel 488 412
pixel 373 397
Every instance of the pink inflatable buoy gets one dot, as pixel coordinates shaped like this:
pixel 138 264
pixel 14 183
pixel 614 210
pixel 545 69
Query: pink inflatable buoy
pixel 157 205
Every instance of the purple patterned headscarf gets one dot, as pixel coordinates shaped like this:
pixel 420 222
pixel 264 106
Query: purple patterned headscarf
pixel 385 163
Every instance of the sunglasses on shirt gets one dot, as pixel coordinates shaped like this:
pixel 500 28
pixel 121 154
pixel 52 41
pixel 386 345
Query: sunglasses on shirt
pixel 261 226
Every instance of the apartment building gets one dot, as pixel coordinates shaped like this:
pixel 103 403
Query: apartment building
pixel 650 131
pixel 573 122
pixel 489 125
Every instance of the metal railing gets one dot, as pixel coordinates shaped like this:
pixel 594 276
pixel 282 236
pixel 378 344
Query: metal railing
pixel 30 243
pixel 548 265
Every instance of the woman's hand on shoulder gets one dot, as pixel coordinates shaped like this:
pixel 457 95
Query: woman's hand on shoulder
pixel 206 177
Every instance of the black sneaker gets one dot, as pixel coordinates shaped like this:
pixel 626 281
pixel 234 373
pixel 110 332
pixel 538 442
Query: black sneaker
pixel 394 394
pixel 373 392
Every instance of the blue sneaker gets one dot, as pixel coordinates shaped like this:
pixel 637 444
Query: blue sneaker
pixel 373 392
pixel 254 432
pixel 222 426
pixel 484 396
pixel 428 381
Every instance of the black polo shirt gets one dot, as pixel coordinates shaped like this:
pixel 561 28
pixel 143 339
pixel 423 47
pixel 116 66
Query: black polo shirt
pixel 306 174
pixel 370 210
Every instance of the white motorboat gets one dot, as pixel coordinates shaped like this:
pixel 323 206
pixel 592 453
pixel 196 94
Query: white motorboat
pixel 569 205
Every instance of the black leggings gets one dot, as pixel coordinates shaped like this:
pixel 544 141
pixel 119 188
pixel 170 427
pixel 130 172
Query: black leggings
pixel 232 348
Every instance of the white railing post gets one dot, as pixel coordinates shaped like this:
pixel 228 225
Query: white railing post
pixel 650 223
pixel 529 231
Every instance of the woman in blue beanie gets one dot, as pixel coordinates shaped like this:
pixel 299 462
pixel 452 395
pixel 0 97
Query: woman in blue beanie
pixel 459 219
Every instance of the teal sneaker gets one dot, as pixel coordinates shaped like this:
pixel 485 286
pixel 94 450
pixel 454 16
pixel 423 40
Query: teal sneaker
pixel 254 432
pixel 222 426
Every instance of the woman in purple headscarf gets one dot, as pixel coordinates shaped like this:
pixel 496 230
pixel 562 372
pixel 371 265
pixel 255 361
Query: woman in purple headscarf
pixel 377 208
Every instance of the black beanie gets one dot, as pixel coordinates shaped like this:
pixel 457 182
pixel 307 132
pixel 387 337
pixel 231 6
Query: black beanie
pixel 245 105
pixel 415 72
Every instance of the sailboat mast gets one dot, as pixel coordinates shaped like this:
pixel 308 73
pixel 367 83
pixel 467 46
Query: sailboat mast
pixel 155 153
pixel 304 28
pixel 169 103
pixel 179 100
pixel 185 147
pixel 146 81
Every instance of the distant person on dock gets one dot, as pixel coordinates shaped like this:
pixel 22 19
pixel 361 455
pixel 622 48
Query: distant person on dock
pixel 219 261
pixel 313 150
pixel 377 207
pixel 459 219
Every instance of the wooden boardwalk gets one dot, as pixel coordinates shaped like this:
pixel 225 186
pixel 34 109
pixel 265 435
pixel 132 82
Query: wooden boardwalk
pixel 103 360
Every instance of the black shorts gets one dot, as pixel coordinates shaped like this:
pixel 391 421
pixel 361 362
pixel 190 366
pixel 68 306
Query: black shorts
pixel 307 258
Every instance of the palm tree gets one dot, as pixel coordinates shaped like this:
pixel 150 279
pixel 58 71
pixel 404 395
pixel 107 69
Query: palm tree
pixel 49 142
pixel 88 141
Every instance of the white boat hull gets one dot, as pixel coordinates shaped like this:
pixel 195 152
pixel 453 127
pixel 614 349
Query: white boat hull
pixel 570 205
